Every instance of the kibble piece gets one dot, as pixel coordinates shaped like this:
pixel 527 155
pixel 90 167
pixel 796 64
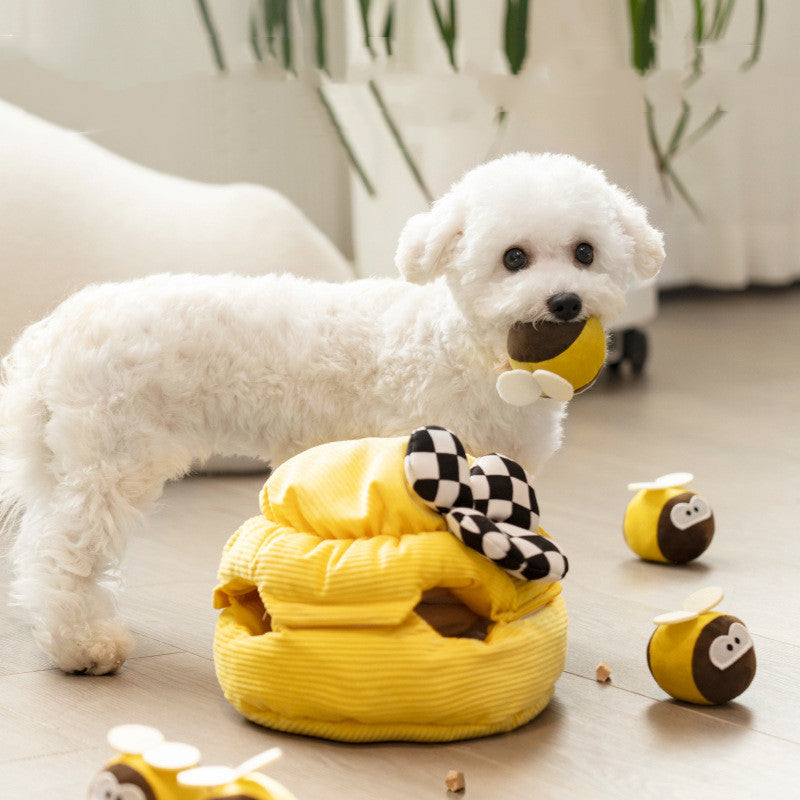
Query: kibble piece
pixel 455 781
pixel 603 672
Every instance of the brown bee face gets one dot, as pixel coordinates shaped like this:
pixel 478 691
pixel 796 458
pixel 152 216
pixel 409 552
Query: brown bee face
pixel 120 782
pixel 533 343
pixel 723 661
pixel 685 527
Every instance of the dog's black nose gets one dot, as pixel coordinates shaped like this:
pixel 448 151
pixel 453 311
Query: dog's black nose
pixel 565 306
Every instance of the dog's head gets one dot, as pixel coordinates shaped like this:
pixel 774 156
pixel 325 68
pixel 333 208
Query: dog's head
pixel 531 238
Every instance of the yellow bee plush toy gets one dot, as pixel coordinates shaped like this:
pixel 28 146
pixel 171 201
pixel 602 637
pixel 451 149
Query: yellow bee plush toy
pixel 665 522
pixel 699 655
pixel 392 590
pixel 148 768
pixel 552 359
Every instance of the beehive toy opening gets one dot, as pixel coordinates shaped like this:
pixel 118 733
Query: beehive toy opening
pixel 450 617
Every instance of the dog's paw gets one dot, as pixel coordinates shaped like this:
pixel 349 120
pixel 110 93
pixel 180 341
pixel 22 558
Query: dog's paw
pixel 97 647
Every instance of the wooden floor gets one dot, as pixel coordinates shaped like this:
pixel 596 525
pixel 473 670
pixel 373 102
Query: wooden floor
pixel 721 399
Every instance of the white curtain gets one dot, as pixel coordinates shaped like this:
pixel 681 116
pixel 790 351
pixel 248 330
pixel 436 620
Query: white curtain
pixel 745 173
pixel 579 93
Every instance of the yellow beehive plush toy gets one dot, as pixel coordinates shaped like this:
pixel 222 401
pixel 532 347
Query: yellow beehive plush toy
pixel 699 655
pixel 148 768
pixel 388 591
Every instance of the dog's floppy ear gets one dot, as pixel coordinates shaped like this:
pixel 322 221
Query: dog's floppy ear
pixel 648 242
pixel 427 240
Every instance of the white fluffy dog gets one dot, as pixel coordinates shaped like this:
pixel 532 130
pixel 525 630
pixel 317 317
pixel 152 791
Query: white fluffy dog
pixel 125 384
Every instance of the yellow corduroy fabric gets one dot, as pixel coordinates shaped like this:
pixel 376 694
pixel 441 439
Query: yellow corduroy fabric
pixel 318 633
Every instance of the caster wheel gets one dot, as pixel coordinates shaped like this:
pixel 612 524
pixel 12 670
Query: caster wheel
pixel 614 352
pixel 634 349
pixel 629 345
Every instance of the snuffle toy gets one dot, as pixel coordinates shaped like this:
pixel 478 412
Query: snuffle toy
pixel 699 655
pixel 552 359
pixel 665 522
pixel 391 590
pixel 148 768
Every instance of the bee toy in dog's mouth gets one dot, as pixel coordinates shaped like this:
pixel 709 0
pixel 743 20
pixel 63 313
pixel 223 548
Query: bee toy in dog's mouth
pixel 564 357
pixel 575 351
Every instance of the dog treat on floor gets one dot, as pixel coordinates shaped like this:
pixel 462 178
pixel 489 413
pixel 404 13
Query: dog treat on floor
pixel 699 655
pixel 603 672
pixel 665 522
pixel 380 562
pixel 455 781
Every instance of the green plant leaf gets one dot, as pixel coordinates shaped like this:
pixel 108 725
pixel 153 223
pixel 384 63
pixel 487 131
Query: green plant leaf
pixel 447 29
pixel 723 9
pixel 684 192
pixel 712 119
pixel 388 30
pixel 698 35
pixel 254 35
pixel 364 7
pixel 652 134
pixel 277 25
pixel 319 35
pixel 699 21
pixel 399 140
pixel 267 11
pixel 286 38
pixel 345 142
pixel 516 34
pixel 643 14
pixel 758 36
pixel 677 133
pixel 663 159
pixel 211 32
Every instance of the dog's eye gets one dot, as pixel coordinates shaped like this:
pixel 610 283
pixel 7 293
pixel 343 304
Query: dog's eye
pixel 515 259
pixel 584 253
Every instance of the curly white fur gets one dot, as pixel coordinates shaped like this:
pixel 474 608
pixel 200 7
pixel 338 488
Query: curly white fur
pixel 125 384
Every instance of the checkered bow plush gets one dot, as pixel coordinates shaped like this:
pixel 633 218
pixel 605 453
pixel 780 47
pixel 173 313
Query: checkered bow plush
pixel 491 507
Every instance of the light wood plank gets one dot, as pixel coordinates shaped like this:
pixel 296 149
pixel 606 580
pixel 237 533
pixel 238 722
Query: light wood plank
pixel 720 399
pixel 63 775
pixel 178 614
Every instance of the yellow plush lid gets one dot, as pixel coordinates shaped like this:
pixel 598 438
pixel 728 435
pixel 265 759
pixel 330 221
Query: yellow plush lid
pixel 341 517
pixel 347 490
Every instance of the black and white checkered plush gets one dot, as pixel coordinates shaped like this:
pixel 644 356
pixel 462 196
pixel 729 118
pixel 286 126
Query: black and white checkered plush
pixel 502 491
pixel 519 552
pixel 491 508
pixel 437 468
